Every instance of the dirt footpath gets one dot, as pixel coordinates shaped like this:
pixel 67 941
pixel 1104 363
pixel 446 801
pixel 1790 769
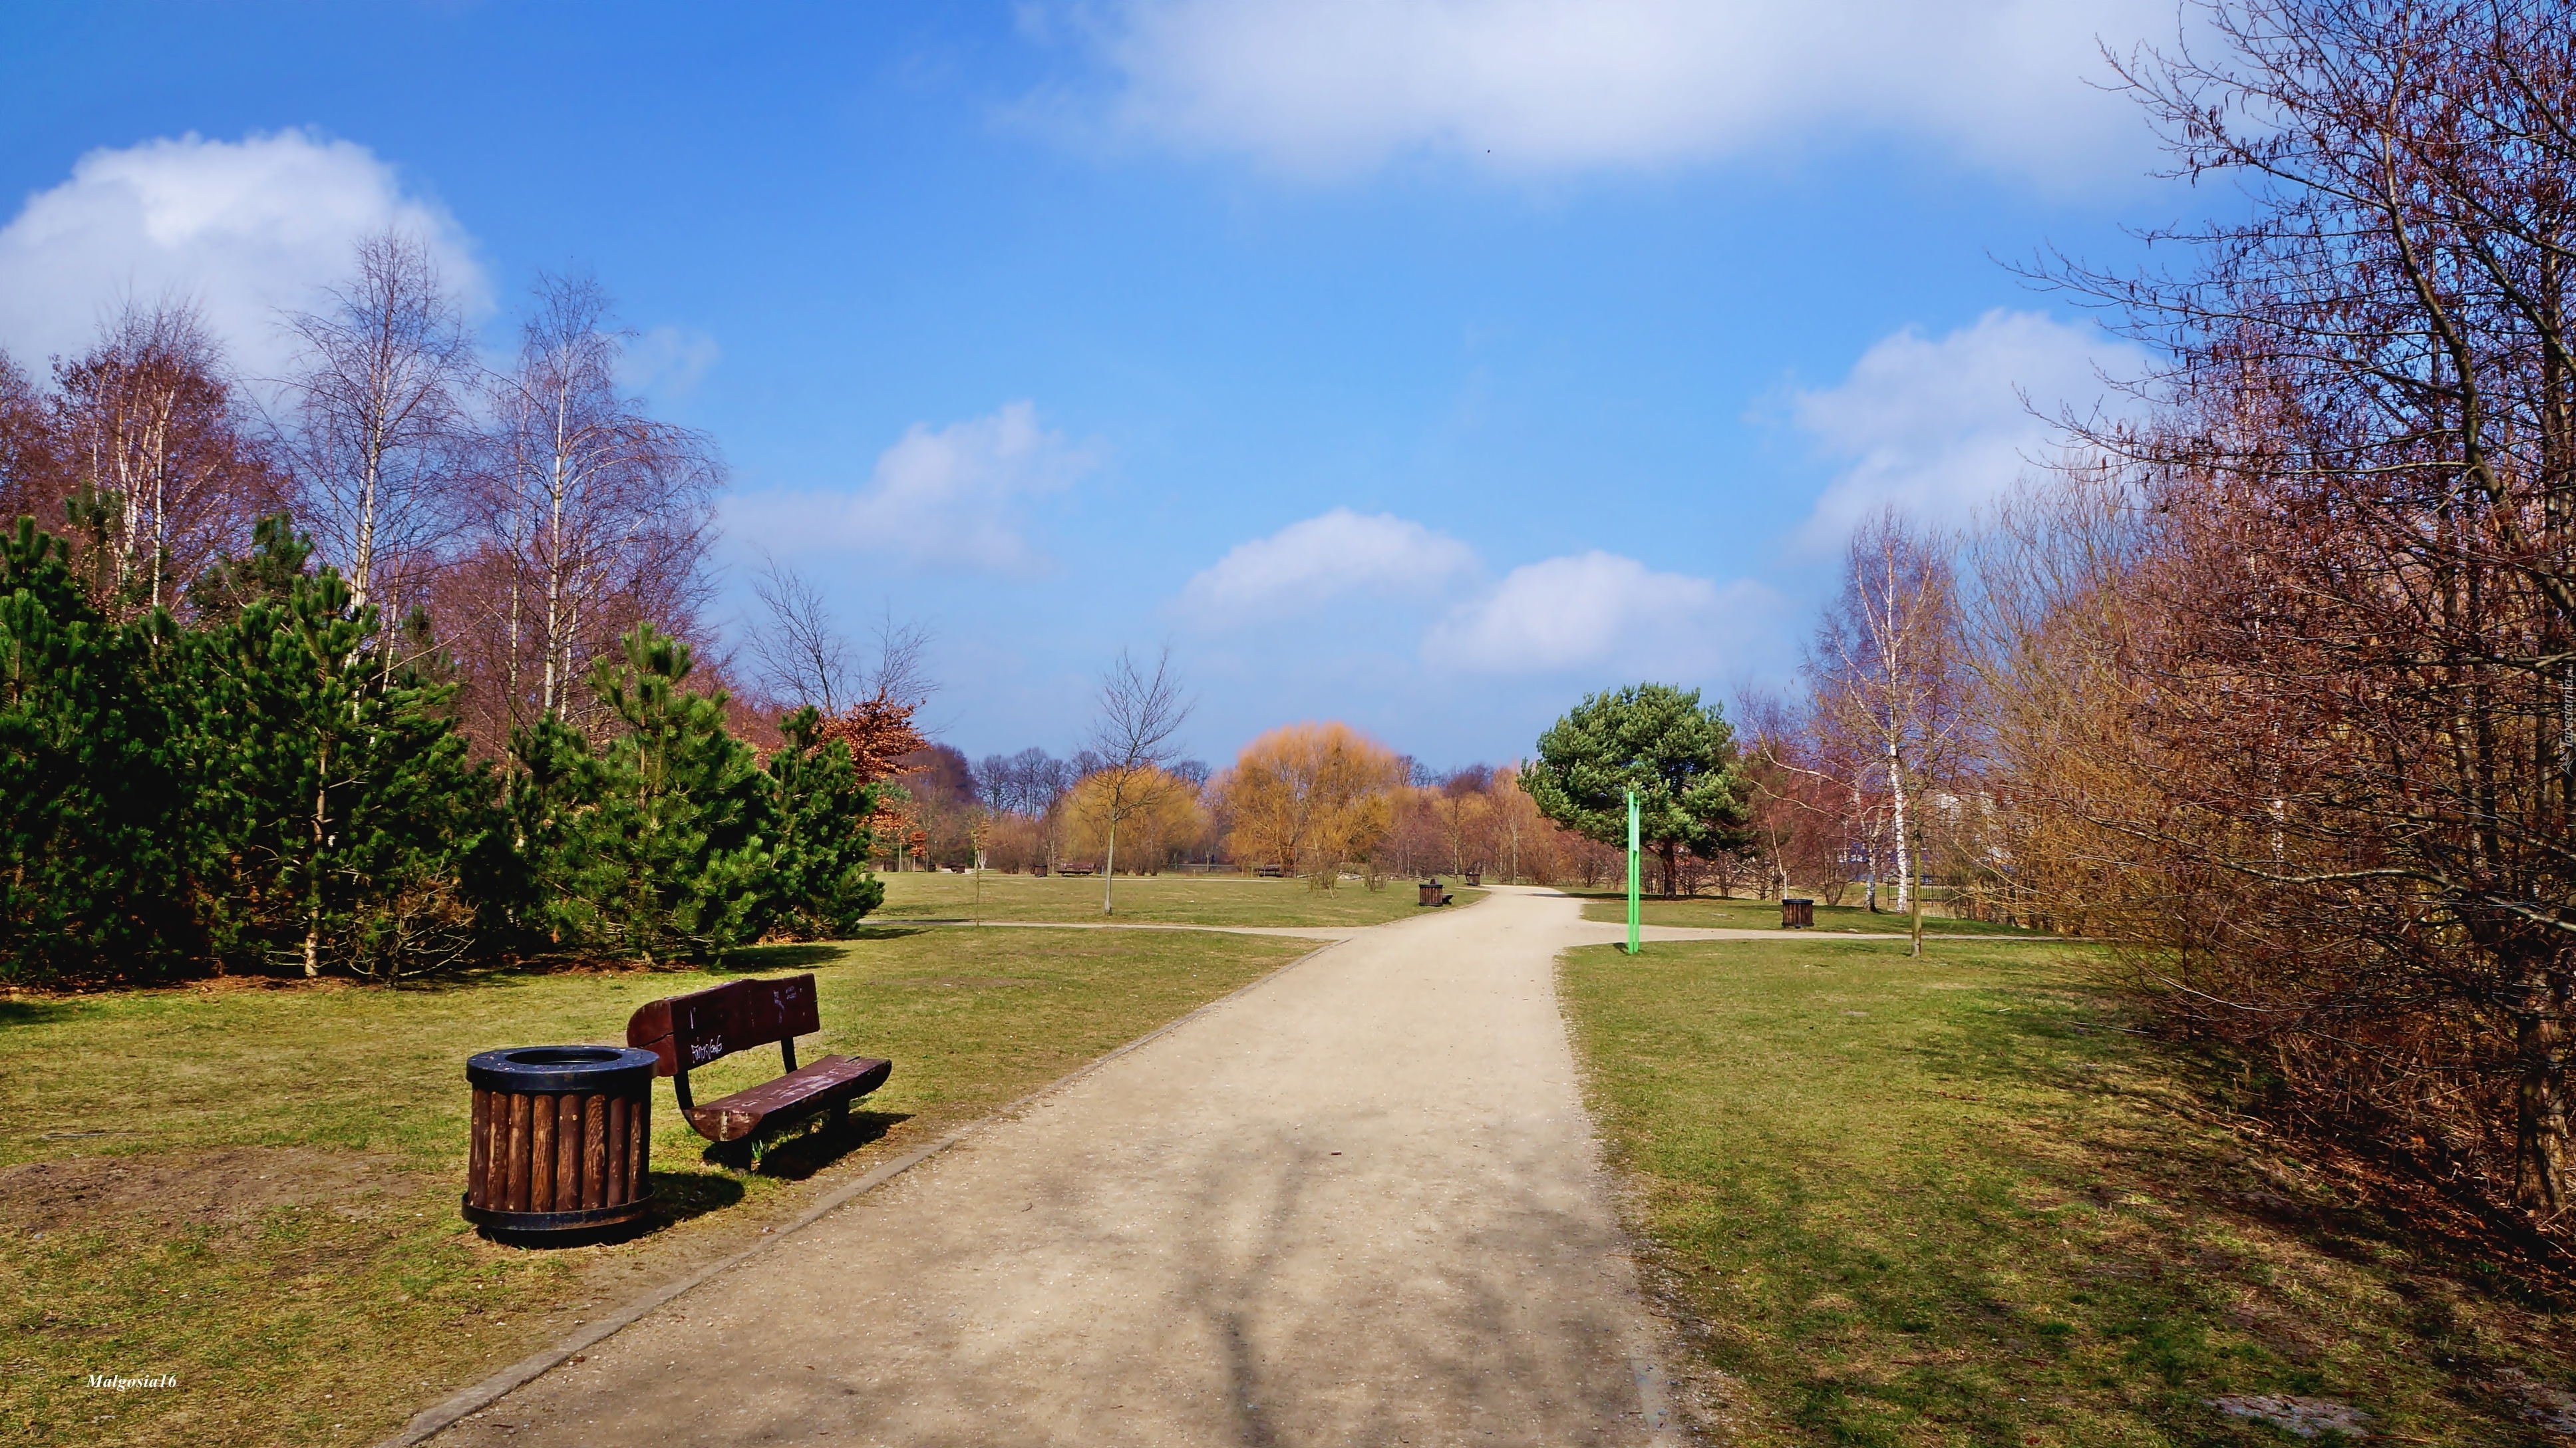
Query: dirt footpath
pixel 1358 1204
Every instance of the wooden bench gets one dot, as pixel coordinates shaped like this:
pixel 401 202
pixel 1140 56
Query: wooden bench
pixel 1268 872
pixel 690 1031
pixel 1073 869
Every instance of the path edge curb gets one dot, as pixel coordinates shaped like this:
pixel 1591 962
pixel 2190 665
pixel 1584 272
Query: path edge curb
pixel 432 1421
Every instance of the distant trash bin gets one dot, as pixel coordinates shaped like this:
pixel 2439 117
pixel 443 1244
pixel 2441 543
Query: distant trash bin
pixel 1475 877
pixel 561 1146
pixel 1797 914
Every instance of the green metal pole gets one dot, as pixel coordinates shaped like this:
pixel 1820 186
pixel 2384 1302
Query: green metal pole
pixel 1632 872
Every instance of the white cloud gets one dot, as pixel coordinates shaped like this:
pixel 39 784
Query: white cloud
pixel 1322 558
pixel 951 496
pixel 1599 611
pixel 667 361
pixel 1326 86
pixel 244 228
pixel 1937 427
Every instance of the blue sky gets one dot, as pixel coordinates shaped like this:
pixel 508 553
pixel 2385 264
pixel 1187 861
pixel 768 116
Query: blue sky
pixel 1420 363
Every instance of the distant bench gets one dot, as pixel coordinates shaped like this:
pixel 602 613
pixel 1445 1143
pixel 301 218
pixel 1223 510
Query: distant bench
pixel 1073 869
pixel 693 1030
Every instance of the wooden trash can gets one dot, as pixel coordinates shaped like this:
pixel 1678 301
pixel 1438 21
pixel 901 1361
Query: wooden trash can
pixel 1475 877
pixel 1797 914
pixel 562 1141
pixel 1430 893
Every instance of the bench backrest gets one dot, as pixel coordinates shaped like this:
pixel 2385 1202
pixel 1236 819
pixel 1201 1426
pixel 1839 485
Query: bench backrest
pixel 688 1031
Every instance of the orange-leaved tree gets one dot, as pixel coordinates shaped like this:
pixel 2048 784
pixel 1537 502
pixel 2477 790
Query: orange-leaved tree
pixel 1131 742
pixel 1311 796
pixel 1164 815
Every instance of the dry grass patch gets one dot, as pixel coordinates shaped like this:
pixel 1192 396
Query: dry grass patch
pixel 1700 912
pixel 254 1190
pixel 1153 900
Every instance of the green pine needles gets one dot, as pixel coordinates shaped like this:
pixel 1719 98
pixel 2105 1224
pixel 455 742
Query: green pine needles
pixel 279 784
pixel 1677 754
pixel 93 805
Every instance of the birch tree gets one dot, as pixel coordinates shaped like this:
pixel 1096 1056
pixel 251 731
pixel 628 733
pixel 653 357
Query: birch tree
pixel 168 477
pixel 595 515
pixel 1885 665
pixel 376 442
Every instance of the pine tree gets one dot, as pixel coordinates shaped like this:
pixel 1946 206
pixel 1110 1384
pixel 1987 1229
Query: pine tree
pixel 684 815
pixel 1661 742
pixel 823 883
pixel 344 798
pixel 269 788
pixel 97 849
pixel 544 894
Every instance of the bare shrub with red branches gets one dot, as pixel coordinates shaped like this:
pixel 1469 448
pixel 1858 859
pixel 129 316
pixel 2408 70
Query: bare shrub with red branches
pixel 2284 679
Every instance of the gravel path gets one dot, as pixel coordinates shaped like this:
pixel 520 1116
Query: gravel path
pixel 1291 932
pixel 1356 1204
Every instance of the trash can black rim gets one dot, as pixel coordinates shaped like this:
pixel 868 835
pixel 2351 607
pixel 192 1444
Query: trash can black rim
pixel 572 1221
pixel 532 1070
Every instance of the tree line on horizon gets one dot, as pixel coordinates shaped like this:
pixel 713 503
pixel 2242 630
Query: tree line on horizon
pixel 396 663
pixel 1317 801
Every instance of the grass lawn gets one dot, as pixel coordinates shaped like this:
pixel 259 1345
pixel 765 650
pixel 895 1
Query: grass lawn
pixel 1153 899
pixel 1703 913
pixel 1947 1202
pixel 255 1188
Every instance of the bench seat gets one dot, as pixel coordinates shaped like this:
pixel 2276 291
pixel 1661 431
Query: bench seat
pixel 687 1032
pixel 831 1082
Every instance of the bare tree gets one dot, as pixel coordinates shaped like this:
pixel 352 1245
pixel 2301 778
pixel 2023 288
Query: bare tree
pixel 2340 644
pixel 1029 782
pixel 172 476
pixel 798 651
pixel 1886 668
pixel 1132 738
pixel 900 673
pixel 35 475
pixel 595 515
pixel 1030 786
pixel 1785 784
pixel 377 434
pixel 995 788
